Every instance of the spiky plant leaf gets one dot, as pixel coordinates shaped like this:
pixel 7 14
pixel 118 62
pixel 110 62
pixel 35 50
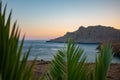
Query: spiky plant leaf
pixel 10 66
pixel 103 62
pixel 68 64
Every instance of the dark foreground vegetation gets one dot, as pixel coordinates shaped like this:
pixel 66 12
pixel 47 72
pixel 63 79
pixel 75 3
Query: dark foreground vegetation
pixel 42 66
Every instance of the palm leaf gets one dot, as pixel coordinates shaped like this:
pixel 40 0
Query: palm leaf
pixel 103 62
pixel 10 53
pixel 68 64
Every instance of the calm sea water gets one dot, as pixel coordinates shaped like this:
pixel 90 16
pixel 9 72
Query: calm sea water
pixel 46 51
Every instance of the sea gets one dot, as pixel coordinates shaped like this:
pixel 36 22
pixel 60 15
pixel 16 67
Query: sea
pixel 46 50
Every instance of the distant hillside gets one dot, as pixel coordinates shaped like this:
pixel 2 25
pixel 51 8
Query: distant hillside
pixel 91 34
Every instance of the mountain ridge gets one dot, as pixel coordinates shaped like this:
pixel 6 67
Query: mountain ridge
pixel 91 34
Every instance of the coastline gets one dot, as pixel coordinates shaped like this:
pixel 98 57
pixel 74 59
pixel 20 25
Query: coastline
pixel 42 66
pixel 50 41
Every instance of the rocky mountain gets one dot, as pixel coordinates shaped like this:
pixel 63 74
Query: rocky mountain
pixel 91 34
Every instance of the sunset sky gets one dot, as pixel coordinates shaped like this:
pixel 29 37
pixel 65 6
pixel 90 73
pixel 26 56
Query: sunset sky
pixel 47 19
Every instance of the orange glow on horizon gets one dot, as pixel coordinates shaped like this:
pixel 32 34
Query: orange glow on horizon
pixel 50 33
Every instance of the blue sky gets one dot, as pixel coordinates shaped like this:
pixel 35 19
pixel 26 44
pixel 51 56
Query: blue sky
pixel 46 19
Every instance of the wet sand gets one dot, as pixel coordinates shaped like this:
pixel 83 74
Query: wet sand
pixel 42 66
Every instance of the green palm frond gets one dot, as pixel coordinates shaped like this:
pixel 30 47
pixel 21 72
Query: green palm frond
pixel 68 64
pixel 10 52
pixel 103 62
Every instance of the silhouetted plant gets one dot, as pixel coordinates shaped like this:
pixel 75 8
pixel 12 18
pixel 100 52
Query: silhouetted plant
pixel 11 68
pixel 70 64
pixel 103 62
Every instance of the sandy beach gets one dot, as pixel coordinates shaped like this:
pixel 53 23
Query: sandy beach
pixel 42 66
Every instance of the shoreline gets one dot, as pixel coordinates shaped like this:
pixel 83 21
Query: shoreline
pixel 42 66
pixel 49 41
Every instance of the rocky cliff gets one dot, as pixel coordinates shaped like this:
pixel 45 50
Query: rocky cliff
pixel 115 47
pixel 91 34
